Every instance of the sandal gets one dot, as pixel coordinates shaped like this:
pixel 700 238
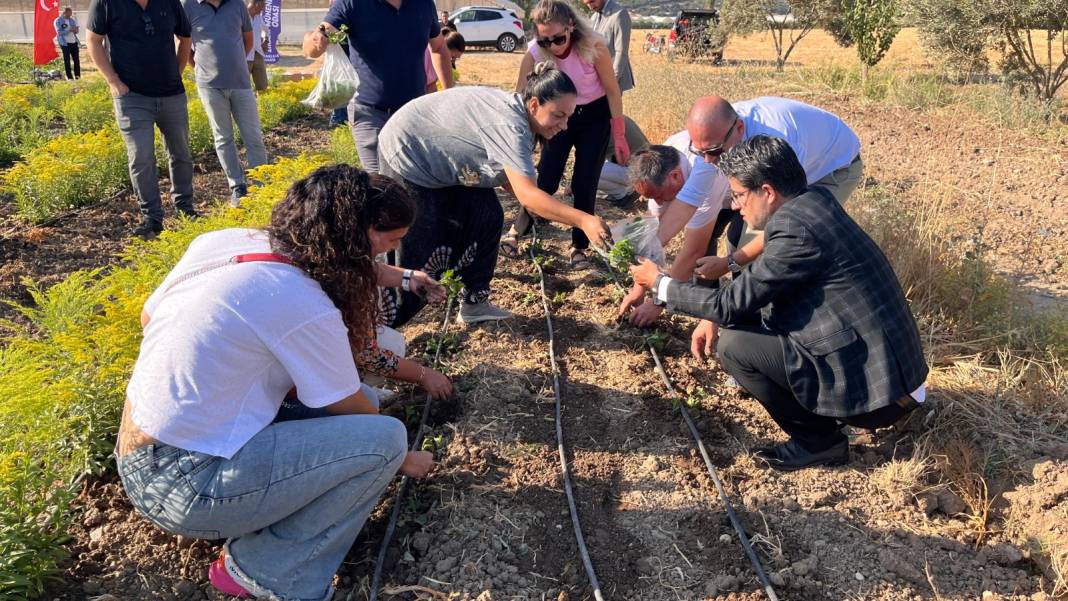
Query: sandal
pixel 510 245
pixel 579 260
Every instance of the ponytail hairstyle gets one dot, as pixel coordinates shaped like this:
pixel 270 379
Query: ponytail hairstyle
pixel 322 225
pixel 546 83
pixel 583 38
pixel 454 40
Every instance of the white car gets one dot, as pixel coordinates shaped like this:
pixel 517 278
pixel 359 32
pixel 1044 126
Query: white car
pixel 488 26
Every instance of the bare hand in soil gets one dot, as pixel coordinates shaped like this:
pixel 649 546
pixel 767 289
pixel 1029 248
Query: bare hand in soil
pixel 711 268
pixel 436 384
pixel 417 464
pixel 633 299
pixel 703 340
pixel 644 273
pixel 645 315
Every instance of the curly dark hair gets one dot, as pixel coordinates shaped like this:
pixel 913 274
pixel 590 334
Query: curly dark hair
pixel 322 225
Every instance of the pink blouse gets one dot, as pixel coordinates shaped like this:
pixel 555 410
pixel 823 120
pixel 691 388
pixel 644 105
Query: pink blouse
pixel 583 74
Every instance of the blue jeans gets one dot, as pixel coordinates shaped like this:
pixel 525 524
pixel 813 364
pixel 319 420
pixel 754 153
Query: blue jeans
pixel 240 105
pixel 291 501
pixel 137 115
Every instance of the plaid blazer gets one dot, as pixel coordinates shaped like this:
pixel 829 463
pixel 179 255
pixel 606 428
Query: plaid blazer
pixel 849 341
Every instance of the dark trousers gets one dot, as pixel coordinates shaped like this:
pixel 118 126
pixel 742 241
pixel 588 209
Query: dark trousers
pixel 455 228
pixel 728 220
pixel 70 52
pixel 587 132
pixel 754 356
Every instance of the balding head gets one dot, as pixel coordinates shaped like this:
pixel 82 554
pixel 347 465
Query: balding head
pixel 712 123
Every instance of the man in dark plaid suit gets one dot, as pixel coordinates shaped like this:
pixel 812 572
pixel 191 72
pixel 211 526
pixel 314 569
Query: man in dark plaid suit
pixel 836 343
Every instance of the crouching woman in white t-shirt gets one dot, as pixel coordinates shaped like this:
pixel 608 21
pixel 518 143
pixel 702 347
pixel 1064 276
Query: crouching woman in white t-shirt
pixel 245 316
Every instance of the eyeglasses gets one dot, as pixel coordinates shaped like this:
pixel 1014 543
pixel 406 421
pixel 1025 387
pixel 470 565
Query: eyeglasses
pixel 150 29
pixel 716 151
pixel 553 41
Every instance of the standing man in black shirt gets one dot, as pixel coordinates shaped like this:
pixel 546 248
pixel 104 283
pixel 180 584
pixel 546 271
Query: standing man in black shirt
pixel 144 74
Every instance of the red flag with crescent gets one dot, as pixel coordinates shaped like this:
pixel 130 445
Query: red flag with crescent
pixel 45 13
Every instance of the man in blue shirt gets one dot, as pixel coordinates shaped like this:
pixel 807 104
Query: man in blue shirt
pixel 387 42
pixel 67 36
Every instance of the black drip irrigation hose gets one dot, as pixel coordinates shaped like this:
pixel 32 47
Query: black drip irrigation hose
pixel 402 489
pixel 564 470
pixel 743 539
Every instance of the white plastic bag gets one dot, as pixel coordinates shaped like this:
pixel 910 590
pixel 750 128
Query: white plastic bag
pixel 337 81
pixel 641 234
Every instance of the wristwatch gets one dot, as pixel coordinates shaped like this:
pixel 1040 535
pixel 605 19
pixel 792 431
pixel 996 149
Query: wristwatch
pixel 732 264
pixel 406 280
pixel 656 291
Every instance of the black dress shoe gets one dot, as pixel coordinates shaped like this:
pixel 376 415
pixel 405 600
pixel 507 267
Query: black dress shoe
pixel 789 456
pixel 148 229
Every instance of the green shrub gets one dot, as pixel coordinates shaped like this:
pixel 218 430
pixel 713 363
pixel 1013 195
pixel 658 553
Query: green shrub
pixel 67 172
pixel 283 102
pixel 16 63
pixel 89 110
pixel 343 147
pixel 24 120
pixel 63 378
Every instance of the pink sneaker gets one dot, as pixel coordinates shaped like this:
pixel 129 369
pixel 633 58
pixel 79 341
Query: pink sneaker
pixel 222 580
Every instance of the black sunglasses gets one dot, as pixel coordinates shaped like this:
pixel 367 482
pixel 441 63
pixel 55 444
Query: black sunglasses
pixel 716 151
pixel 553 41
pixel 150 29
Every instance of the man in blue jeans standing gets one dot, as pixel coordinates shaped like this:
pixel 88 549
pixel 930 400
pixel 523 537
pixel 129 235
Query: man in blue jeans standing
pixel 222 38
pixel 144 74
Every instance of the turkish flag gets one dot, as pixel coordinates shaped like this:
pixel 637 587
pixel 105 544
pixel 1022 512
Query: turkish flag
pixel 45 13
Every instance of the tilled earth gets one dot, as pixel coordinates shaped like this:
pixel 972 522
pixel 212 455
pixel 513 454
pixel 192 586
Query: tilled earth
pixel 491 522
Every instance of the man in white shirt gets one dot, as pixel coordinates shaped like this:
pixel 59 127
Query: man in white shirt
pixel 256 67
pixel 827 148
pixel 67 37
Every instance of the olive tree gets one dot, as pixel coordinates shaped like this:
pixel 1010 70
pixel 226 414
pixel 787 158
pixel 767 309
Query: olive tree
pixel 788 21
pixel 872 25
pixel 1031 37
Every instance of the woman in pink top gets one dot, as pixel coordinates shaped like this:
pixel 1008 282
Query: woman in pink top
pixel 578 51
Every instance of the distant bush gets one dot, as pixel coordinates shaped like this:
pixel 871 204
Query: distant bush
pixel 16 63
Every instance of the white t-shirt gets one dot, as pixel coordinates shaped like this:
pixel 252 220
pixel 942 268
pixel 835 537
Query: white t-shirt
pixel 257 34
pixel 224 346
pixel 823 142
pixel 706 188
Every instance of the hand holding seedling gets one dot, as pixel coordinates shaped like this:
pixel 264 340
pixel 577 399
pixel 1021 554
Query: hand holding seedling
pixel 703 340
pixel 436 384
pixel 427 287
pixel 596 229
pixel 417 464
pixel 644 273
pixel 646 314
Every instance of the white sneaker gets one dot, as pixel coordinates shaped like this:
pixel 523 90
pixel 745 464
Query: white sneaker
pixel 484 311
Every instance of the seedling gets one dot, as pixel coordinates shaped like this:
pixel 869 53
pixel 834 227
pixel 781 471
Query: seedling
pixel 559 299
pixel 450 345
pixel 529 299
pixel 452 282
pixel 658 340
pixel 433 443
pixel 544 261
pixel 339 36
pixel 622 256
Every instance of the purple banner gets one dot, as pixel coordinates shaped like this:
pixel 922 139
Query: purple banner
pixel 272 20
